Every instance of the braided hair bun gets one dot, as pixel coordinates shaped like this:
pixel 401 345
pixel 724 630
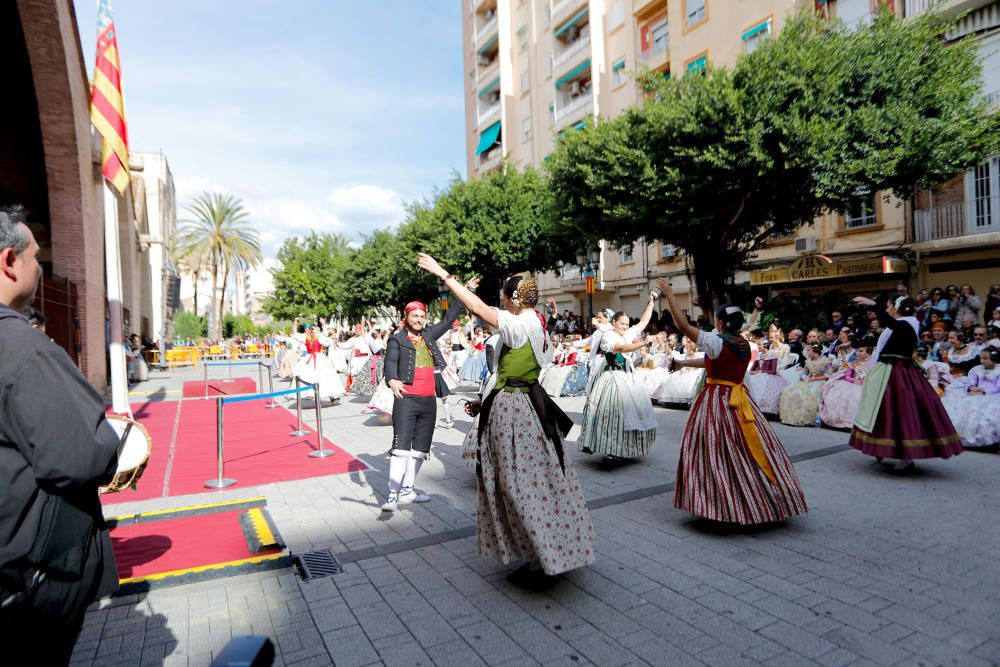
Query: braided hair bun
pixel 731 317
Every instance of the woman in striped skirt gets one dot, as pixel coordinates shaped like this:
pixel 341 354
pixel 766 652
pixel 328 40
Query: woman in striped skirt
pixel 618 420
pixel 732 466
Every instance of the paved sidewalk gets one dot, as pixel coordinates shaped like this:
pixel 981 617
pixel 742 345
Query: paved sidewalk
pixel 883 570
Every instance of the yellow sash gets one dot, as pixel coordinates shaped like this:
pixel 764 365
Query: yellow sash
pixel 739 398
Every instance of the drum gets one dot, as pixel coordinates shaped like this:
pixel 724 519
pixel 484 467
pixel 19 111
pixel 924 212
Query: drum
pixel 133 454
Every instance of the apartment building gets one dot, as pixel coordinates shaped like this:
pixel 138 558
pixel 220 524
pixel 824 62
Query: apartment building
pixel 537 69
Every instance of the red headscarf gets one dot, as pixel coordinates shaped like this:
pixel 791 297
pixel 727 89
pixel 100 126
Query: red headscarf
pixel 414 305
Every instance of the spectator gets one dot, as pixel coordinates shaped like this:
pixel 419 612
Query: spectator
pixel 795 343
pixel 836 321
pixel 980 337
pixel 965 304
pixel 968 325
pixel 937 303
pixel 995 322
pixel 56 449
pixel 993 302
pixel 830 342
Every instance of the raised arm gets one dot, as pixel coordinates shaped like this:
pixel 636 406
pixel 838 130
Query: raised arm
pixel 468 298
pixel 680 320
pixel 648 313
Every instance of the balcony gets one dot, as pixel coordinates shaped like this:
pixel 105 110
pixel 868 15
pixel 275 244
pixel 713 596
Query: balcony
pixel 656 57
pixel 572 50
pixel 967 220
pixel 575 109
pixel 487 71
pixel 485 32
pixel 488 115
pixel 562 8
pixel 490 160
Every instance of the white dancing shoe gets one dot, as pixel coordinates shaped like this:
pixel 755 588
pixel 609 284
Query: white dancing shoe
pixel 407 496
pixel 391 503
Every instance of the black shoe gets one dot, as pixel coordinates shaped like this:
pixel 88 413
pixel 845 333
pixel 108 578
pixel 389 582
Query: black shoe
pixel 532 580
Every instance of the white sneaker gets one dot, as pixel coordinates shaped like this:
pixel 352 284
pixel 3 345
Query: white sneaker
pixel 391 503
pixel 448 424
pixel 407 496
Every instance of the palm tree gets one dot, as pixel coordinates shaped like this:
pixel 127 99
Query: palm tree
pixel 219 239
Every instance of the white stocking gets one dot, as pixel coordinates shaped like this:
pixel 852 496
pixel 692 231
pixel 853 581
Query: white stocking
pixel 398 461
pixel 447 409
pixel 412 468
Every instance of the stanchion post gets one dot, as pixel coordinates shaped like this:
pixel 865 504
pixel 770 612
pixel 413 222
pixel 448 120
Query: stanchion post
pixel 298 411
pixel 260 380
pixel 220 482
pixel 206 380
pixel 270 387
pixel 319 453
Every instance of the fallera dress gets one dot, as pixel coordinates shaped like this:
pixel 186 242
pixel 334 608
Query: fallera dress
pixel 531 506
pixel 732 466
pixel 976 416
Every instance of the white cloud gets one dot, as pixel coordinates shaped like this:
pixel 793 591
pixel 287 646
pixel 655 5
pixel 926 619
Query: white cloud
pixel 354 211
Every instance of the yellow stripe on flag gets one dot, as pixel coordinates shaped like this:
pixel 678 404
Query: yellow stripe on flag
pixel 111 53
pixel 110 92
pixel 112 140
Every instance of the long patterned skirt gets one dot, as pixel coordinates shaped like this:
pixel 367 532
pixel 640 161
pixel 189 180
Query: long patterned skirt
pixel 911 422
pixel 766 390
pixel 717 476
pixel 370 376
pixel 603 430
pixel 530 508
pixel 799 403
pixel 839 403
pixel 976 417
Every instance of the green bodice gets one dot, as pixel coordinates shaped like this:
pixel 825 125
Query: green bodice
pixel 517 364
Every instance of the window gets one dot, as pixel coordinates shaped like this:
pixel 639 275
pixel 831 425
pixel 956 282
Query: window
pixel 861 211
pixel 854 13
pixel 526 129
pixel 551 65
pixel 660 34
pixel 667 251
pixel 618 73
pixel 616 15
pixel 989 57
pixel 697 11
pixel 698 65
pixel 625 256
pixel 522 37
pixel 525 81
pixel 756 36
pixel 552 114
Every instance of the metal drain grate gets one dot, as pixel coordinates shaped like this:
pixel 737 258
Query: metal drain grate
pixel 315 564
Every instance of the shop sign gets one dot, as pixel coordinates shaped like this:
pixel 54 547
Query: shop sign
pixel 821 267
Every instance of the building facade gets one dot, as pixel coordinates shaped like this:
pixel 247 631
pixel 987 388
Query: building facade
pixel 50 164
pixel 538 68
pixel 153 170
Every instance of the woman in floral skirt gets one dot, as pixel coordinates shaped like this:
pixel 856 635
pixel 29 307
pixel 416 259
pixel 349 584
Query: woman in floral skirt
pixel 531 507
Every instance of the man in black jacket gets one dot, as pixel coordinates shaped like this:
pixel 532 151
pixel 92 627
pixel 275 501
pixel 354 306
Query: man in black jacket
pixel 56 448
pixel 411 358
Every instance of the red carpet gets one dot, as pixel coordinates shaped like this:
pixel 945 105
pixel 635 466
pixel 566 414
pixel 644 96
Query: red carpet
pixel 258 449
pixel 219 387
pixel 178 545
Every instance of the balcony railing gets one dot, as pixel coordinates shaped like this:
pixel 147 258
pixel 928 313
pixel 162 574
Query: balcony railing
pixel 487 115
pixel 490 159
pixel 655 52
pixel 993 99
pixel 914 7
pixel 573 49
pixel 486 30
pixel 572 109
pixel 968 218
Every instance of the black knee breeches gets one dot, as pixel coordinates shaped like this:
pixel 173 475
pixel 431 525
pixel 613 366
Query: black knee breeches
pixel 413 419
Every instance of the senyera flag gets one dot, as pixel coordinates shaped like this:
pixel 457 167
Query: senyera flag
pixel 107 106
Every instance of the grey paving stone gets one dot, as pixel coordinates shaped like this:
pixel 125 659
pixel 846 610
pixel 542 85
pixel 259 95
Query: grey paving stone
pixel 798 640
pixel 863 644
pixel 491 644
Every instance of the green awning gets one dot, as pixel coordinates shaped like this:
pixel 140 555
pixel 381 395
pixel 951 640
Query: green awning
pixel 579 126
pixel 618 65
pixel 756 30
pixel 487 45
pixel 488 138
pixel 576 70
pixel 492 84
pixel 566 26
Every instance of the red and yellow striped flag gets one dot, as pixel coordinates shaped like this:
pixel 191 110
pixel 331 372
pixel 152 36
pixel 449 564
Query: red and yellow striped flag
pixel 107 107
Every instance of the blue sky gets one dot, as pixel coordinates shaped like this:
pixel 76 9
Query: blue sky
pixel 318 114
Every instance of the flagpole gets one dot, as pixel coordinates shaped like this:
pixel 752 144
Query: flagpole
pixel 113 277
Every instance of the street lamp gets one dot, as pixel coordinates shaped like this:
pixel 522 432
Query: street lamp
pixel 588 261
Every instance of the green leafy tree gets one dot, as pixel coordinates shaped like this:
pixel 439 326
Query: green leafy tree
pixel 237 325
pixel 189 325
pixel 310 280
pixel 718 164
pixel 218 238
